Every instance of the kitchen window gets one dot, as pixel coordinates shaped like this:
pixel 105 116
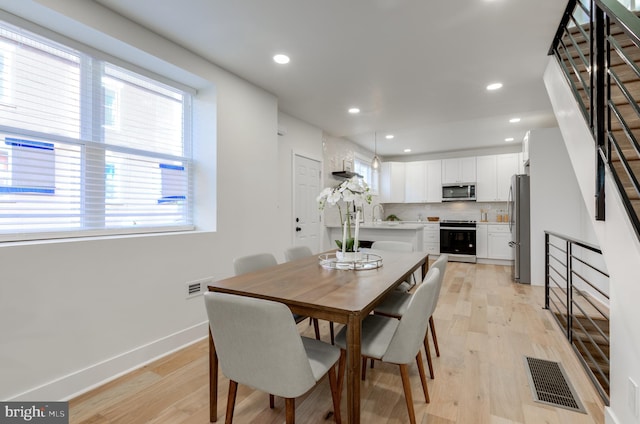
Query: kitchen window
pixel 362 166
pixel 88 147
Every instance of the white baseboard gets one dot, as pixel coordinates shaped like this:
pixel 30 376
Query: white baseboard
pixel 81 381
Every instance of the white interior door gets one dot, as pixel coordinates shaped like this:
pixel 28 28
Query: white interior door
pixel 306 216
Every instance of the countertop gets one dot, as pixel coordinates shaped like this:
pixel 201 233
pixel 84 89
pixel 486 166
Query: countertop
pixel 406 225
pixel 387 225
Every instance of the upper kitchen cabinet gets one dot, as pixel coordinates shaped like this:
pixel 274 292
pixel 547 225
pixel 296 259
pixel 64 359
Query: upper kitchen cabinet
pixel 415 187
pixel 459 170
pixel 392 182
pixel 423 182
pixel 494 176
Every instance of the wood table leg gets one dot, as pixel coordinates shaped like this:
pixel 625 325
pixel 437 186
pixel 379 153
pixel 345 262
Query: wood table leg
pixel 425 267
pixel 213 381
pixel 354 328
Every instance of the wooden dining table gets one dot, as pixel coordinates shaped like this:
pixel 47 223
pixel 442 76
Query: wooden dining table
pixel 313 290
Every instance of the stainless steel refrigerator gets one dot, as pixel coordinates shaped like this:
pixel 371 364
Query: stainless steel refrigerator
pixel 519 225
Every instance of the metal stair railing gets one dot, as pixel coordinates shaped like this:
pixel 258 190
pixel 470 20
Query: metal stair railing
pixel 597 45
pixel 574 275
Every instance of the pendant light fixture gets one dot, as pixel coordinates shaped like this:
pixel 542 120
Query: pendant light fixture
pixel 375 163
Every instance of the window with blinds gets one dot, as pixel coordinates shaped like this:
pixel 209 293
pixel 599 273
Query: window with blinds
pixel 88 147
pixel 362 166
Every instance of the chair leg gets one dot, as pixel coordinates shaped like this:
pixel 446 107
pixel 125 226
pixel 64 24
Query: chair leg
pixel 423 378
pixel 364 368
pixel 332 332
pixel 231 401
pixel 290 410
pixel 427 352
pixel 335 394
pixel 406 385
pixel 342 363
pixel 316 328
pixel 272 401
pixel 434 336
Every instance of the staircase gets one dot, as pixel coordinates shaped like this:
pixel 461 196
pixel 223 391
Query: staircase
pixel 613 93
pixel 598 119
pixel 591 340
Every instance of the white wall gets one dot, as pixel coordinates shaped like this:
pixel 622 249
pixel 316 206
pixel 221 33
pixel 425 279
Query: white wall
pixel 73 313
pixel 618 241
pixel 302 139
pixel 556 202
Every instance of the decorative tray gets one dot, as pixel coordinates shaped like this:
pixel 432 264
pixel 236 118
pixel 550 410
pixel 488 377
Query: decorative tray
pixel 358 261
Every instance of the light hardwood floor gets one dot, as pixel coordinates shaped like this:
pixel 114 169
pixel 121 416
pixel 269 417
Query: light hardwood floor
pixel 485 325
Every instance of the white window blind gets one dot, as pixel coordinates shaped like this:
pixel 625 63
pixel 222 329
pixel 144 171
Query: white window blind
pixel 88 147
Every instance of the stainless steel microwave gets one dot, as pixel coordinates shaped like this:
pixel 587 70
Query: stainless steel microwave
pixel 458 192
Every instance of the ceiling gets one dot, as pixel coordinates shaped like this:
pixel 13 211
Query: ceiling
pixel 416 69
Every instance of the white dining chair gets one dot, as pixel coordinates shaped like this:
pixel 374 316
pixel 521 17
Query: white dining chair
pixel 258 261
pixel 396 303
pixel 397 341
pixel 299 252
pixel 397 246
pixel 258 345
pixel 251 263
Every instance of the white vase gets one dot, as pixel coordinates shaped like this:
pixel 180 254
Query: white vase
pixel 348 256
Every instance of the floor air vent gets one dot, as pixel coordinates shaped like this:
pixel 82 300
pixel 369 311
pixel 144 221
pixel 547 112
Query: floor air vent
pixel 550 385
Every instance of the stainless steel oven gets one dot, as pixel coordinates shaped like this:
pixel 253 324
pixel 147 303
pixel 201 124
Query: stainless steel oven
pixel 458 240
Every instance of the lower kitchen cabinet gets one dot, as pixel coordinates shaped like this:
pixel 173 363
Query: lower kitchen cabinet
pixel 492 242
pixel 431 238
pixel 482 251
pixel 498 238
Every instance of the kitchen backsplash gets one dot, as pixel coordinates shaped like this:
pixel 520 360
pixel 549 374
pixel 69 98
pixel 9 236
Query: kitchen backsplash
pixel 446 210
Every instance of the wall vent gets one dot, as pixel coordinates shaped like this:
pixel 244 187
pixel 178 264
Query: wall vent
pixel 195 288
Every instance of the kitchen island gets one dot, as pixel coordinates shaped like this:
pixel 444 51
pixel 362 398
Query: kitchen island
pixel 410 232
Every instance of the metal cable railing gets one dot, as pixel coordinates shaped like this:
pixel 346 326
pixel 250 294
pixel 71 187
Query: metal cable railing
pixel 575 278
pixel 598 48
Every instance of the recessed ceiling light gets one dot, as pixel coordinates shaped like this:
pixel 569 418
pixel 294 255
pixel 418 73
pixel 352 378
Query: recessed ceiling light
pixel 514 120
pixel 407 150
pixel 354 110
pixel 282 59
pixel 389 136
pixel 508 139
pixel 494 86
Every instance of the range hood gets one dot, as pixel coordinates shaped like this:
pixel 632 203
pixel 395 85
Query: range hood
pixel 345 174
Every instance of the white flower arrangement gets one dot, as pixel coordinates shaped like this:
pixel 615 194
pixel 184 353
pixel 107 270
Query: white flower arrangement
pixel 353 192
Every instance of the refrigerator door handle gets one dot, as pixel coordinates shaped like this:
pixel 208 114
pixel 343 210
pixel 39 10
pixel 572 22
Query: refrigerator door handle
pixel 511 208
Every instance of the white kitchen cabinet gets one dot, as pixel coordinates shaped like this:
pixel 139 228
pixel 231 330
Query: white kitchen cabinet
pixel 498 237
pixel 423 182
pixel 494 176
pixel 506 165
pixel 459 170
pixel 392 182
pixel 431 238
pixel 434 181
pixel 482 251
pixel 415 189
pixel 486 182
